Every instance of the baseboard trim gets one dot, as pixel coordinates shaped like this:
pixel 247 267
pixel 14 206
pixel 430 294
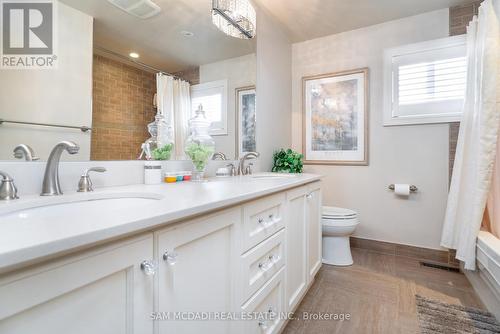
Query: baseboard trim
pixel 419 253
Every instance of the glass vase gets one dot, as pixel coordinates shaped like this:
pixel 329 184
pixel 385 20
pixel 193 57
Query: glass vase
pixel 200 146
pixel 161 144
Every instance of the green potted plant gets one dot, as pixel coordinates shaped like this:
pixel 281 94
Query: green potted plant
pixel 287 161
pixel 162 153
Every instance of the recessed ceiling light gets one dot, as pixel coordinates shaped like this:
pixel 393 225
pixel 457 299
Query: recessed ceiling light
pixel 186 33
pixel 133 55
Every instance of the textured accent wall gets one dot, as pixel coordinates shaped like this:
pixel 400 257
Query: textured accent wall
pixel 410 154
pixel 122 106
pixel 460 16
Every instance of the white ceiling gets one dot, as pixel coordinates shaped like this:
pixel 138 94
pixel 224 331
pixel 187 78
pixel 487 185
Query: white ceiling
pixel 158 39
pixel 160 43
pixel 308 19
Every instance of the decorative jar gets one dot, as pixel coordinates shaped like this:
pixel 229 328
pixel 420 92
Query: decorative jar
pixel 200 146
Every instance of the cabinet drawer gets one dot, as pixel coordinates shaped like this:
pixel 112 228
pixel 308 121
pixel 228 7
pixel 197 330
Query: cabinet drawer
pixel 261 219
pixel 268 306
pixel 261 263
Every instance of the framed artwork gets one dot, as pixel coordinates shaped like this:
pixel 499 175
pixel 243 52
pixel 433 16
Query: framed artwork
pixel 245 120
pixel 335 118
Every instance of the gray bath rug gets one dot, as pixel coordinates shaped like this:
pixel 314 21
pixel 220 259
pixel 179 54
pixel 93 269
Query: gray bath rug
pixel 437 317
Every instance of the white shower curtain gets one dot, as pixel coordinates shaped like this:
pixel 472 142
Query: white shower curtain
pixel 174 102
pixel 182 113
pixel 477 140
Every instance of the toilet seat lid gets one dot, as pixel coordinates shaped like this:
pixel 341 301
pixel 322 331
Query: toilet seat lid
pixel 330 212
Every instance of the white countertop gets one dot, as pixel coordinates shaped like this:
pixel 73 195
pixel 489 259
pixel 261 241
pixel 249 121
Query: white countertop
pixel 31 239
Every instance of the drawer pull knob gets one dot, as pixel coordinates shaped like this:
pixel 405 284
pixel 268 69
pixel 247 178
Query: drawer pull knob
pixel 148 267
pixel 261 220
pixel 170 257
pixel 269 263
pixel 309 196
pixel 271 216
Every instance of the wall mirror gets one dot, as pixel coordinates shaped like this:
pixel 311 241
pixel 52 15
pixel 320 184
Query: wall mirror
pixel 103 92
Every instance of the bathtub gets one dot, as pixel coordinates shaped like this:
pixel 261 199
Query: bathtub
pixel 488 255
pixel 486 279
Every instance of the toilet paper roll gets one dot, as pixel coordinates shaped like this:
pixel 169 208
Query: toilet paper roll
pixel 402 190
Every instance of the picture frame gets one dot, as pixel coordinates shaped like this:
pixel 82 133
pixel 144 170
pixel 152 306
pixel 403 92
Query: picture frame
pixel 335 118
pixel 246 118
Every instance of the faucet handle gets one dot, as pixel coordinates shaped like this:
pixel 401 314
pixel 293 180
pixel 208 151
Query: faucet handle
pixel 93 169
pixel 248 169
pixel 8 190
pixel 85 183
pixel 232 169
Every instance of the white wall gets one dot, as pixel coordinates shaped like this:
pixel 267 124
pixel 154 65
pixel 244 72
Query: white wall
pixel 61 96
pixel 404 154
pixel 239 72
pixel 274 94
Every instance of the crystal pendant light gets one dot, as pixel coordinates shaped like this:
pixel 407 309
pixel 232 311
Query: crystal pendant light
pixel 234 17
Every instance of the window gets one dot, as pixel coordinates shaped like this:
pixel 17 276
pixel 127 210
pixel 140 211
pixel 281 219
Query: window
pixel 213 97
pixel 425 82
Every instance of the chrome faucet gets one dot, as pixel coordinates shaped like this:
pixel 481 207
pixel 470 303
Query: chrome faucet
pixel 241 168
pixel 25 152
pixel 8 190
pixel 51 186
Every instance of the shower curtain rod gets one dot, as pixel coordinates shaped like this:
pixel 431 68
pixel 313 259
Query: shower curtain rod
pixel 149 67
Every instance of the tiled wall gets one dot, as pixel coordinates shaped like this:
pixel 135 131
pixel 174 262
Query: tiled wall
pixel 122 106
pixel 460 16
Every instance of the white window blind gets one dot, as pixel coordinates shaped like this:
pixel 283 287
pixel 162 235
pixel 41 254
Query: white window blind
pixel 432 81
pixel 213 97
pixel 425 82
pixel 212 104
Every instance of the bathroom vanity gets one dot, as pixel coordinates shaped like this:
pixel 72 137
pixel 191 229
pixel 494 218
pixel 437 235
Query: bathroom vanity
pixel 145 259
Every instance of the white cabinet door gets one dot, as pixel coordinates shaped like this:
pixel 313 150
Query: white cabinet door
pixel 314 231
pixel 296 245
pixel 196 273
pixel 99 291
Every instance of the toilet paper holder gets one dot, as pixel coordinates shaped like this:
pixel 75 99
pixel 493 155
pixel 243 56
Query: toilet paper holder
pixel 413 188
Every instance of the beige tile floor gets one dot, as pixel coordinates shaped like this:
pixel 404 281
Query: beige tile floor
pixel 378 292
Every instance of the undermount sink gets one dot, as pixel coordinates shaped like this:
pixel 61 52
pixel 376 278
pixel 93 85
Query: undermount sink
pixel 265 176
pixel 75 204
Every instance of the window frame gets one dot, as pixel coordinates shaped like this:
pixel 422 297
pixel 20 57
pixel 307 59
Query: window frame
pixel 390 82
pixel 217 128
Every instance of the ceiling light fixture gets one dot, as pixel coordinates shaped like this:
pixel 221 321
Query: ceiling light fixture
pixel 235 18
pixel 134 55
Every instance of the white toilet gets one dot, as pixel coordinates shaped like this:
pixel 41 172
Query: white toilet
pixel 338 224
